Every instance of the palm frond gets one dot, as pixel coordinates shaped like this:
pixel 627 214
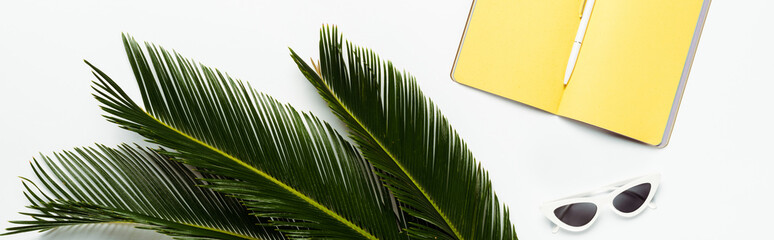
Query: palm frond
pixel 281 163
pixel 132 185
pixel 421 159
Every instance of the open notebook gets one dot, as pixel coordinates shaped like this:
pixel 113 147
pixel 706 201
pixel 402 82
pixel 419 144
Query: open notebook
pixel 630 73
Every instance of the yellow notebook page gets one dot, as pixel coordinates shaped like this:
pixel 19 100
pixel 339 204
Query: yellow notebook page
pixel 630 65
pixel 518 49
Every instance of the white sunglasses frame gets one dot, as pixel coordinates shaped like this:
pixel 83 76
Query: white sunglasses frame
pixel 601 200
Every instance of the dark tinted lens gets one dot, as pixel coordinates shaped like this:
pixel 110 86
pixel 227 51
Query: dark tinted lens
pixel 576 214
pixel 632 199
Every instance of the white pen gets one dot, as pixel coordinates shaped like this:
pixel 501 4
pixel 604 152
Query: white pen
pixel 584 23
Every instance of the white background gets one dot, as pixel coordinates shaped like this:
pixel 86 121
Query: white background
pixel 717 170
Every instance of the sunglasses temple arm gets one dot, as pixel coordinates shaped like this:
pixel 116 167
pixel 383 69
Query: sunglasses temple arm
pixel 607 188
pixel 600 190
pixel 621 183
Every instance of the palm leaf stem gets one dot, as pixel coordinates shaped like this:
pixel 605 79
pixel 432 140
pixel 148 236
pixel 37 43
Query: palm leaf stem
pixel 373 138
pixel 270 178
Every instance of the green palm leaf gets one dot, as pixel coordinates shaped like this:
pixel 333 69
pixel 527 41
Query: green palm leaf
pixel 133 185
pixel 401 132
pixel 281 163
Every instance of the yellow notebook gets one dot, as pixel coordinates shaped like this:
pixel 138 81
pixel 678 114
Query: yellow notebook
pixel 630 72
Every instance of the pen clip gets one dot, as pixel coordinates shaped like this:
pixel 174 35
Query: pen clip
pixel 582 7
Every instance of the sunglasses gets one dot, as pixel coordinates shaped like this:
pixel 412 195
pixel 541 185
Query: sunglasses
pixel 627 198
